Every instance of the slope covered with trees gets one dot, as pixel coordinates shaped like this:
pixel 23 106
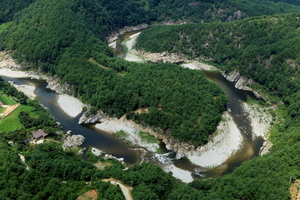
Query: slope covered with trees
pixel 66 46
pixel 63 37
pixel 263 48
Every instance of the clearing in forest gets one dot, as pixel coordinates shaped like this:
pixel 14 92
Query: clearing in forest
pixel 90 195
pixel 294 190
pixel 7 105
pixel 5 100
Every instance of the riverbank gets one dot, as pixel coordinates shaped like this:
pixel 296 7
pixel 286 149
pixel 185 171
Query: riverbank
pixel 112 125
pixel 132 54
pixel 226 141
pixel 70 105
pixel 9 68
pixel 132 129
pixel 260 120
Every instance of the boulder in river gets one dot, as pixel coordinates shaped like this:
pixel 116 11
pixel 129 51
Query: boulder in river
pixel 74 140
pixel 87 118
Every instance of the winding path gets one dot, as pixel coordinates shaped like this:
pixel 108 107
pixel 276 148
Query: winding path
pixel 125 188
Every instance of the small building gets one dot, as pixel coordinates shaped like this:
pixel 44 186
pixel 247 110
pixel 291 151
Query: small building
pixel 38 134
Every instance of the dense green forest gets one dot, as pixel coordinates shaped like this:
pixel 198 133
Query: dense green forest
pixel 262 48
pixel 110 84
pixel 63 37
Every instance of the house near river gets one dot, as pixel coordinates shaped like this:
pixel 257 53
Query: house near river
pixel 40 134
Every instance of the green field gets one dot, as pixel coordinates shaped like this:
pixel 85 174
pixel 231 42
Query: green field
pixel 147 137
pixel 6 100
pixel 12 122
pixel 2 110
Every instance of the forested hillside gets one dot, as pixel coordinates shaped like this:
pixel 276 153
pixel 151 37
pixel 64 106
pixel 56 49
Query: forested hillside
pixel 62 37
pixel 67 38
pixel 263 48
pixel 71 46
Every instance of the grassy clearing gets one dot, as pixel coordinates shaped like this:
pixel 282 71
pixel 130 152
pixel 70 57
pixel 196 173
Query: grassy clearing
pixel 2 110
pixel 12 122
pixel 147 137
pixel 4 26
pixel 94 62
pixel 7 100
pixel 121 134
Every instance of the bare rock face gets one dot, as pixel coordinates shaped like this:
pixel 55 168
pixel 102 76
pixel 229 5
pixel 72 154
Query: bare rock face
pixel 267 145
pixel 182 149
pixel 232 76
pixel 74 140
pixel 109 156
pixel 114 36
pixel 55 84
pixel 81 151
pixel 163 57
pixel 236 16
pixel 241 82
pixel 90 119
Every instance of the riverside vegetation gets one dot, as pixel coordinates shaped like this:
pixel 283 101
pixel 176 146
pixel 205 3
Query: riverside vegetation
pixel 61 37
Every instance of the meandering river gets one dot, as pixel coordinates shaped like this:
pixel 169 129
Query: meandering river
pixel 108 143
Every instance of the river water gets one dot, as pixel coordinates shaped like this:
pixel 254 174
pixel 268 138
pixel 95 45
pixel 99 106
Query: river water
pixel 108 143
pixel 250 147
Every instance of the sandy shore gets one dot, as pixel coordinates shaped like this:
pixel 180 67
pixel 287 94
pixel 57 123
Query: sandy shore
pixel 132 129
pixel 12 73
pixel 28 90
pixel 167 165
pixel 132 54
pixel 199 66
pixel 226 141
pixel 260 120
pixel 113 125
pixel 70 105
pixel 9 68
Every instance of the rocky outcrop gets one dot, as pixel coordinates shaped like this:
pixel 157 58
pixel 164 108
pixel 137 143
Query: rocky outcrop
pixel 71 141
pixel 171 22
pixel 108 156
pixel 54 83
pixel 87 118
pixel 266 147
pixel 181 148
pixel 232 76
pixel 114 35
pixel 241 82
pixel 163 57
pixel 237 16
pixel 81 151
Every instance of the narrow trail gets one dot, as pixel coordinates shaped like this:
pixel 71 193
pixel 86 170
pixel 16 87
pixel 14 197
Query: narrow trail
pixel 125 188
pixel 23 161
